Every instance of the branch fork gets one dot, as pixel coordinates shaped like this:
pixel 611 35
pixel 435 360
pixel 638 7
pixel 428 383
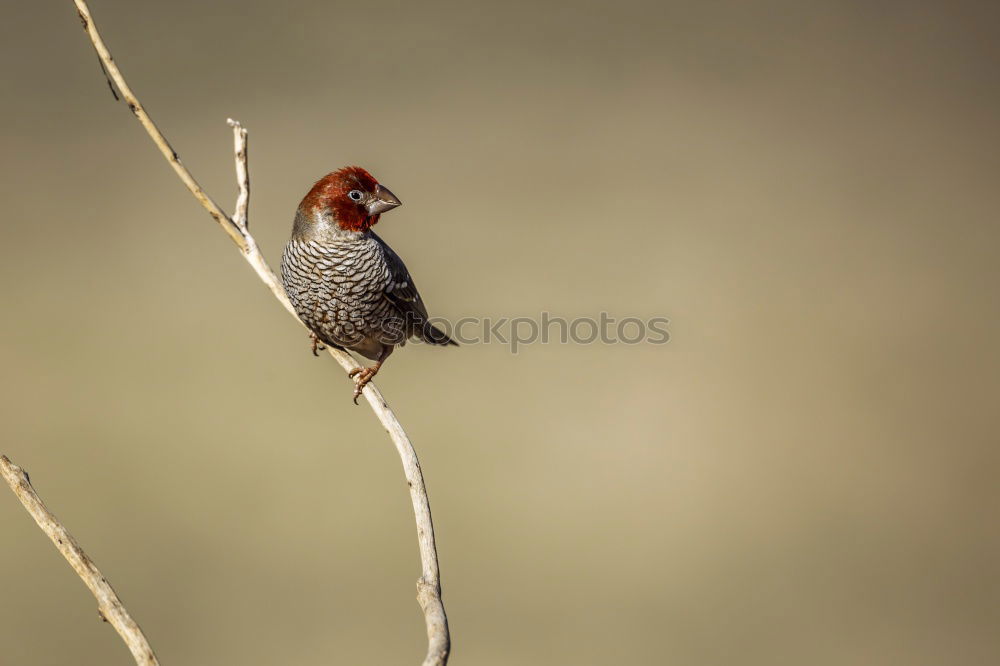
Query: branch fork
pixel 237 228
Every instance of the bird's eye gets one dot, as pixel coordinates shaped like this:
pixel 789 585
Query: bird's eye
pixel 355 195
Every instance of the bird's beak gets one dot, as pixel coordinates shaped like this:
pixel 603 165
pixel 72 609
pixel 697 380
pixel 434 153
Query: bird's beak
pixel 384 200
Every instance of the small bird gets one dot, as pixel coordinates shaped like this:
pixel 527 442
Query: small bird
pixel 347 285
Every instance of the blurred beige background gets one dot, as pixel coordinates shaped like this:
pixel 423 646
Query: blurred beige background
pixel 805 474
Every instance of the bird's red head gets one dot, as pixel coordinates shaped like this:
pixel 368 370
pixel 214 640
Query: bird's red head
pixel 351 196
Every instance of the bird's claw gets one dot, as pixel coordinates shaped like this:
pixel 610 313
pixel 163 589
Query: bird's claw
pixel 361 378
pixel 317 346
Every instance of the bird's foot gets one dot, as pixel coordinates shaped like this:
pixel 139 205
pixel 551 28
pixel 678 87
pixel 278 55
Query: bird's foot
pixel 361 377
pixel 317 346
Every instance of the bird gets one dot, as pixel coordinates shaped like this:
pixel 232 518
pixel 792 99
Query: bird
pixel 349 288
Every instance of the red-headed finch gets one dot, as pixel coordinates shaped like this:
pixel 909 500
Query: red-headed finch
pixel 346 283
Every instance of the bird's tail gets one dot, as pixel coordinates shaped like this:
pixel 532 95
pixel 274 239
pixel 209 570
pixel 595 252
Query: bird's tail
pixel 435 336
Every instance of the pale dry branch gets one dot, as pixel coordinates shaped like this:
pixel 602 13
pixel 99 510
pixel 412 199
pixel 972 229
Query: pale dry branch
pixel 240 218
pixel 429 585
pixel 108 603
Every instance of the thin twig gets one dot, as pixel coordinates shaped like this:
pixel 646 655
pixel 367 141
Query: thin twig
pixel 240 218
pixel 429 585
pixel 108 604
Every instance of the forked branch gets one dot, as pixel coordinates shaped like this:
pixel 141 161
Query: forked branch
pixel 236 227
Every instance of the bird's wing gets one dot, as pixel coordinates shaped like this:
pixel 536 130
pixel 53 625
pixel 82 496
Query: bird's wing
pixel 401 291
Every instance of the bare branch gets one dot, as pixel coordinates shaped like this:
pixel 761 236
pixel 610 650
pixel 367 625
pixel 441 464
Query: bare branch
pixel 429 585
pixel 108 603
pixel 242 176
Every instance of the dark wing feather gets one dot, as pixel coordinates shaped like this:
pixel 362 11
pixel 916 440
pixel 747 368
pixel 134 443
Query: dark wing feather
pixel 403 294
pixel 401 291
